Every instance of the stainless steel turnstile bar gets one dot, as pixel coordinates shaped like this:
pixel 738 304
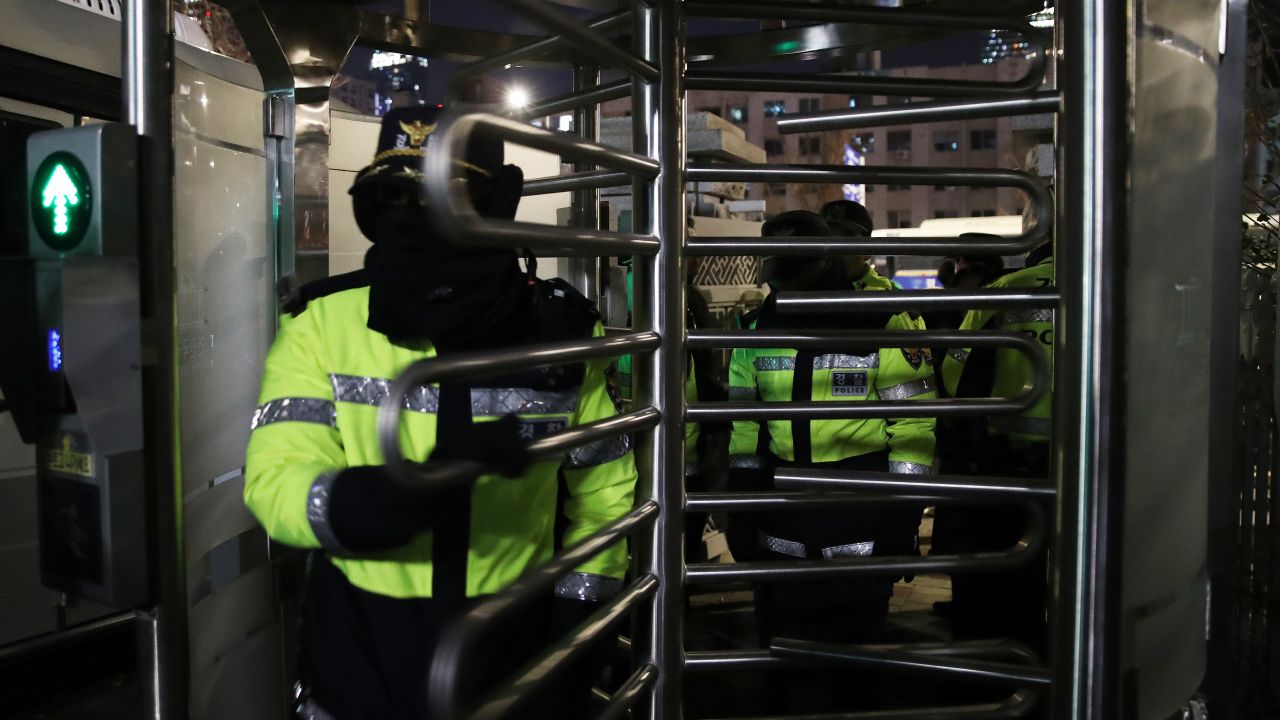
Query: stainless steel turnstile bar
pixel 984 671
pixel 917 300
pixel 581 98
pixel 586 180
pixel 946 110
pixel 660 287
pixel 583 38
pixel 479 364
pixel 470 71
pixel 461 223
pixel 461 636
pixel 1017 555
pixel 1037 195
pixel 804 500
pixel 882 339
pixel 986 488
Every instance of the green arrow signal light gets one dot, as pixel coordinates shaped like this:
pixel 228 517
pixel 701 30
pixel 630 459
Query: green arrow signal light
pixel 60 192
pixel 61 197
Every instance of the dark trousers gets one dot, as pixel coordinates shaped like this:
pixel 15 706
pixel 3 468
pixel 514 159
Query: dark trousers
pixel 1008 604
pixel 840 612
pixel 369 656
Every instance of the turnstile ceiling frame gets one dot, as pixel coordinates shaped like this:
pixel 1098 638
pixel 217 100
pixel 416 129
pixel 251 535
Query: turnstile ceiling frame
pixel 392 33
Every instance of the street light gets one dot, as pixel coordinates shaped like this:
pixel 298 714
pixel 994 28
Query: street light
pixel 517 97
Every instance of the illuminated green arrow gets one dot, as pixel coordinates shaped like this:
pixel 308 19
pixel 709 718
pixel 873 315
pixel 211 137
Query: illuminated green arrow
pixel 60 192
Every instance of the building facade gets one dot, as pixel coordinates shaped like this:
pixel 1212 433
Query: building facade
pixel 981 143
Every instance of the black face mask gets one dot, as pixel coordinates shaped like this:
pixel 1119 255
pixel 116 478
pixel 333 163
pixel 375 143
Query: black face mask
pixel 422 288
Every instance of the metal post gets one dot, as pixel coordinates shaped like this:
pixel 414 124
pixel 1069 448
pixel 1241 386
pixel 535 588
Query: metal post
pixel 585 210
pixel 660 305
pixel 147 64
pixel 1224 447
pixel 1093 201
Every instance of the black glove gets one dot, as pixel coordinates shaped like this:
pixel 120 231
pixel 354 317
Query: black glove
pixel 370 511
pixel 496 445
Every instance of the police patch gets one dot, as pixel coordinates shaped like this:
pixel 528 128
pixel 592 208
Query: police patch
pixel 917 356
pixel 849 384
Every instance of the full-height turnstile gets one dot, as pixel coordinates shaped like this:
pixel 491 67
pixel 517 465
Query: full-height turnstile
pixel 1143 212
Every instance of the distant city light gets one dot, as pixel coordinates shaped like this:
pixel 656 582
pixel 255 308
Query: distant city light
pixel 382 60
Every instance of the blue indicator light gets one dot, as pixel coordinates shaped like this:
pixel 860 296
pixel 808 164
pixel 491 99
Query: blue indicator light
pixel 55 350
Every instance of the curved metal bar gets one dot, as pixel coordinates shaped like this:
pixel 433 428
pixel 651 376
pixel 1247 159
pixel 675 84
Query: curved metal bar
pixel 503 60
pixel 579 98
pixel 583 38
pixel 1037 194
pixel 773 501
pixel 438 369
pixel 1021 553
pixel 861 14
pixel 984 671
pixel 860 409
pixel 730 660
pixel 449 204
pixel 951 486
pixel 555 660
pixel 880 115
pixel 587 180
pixel 864 84
pixel 837 339
pixel 627 695
pixel 901 301
pixel 448 661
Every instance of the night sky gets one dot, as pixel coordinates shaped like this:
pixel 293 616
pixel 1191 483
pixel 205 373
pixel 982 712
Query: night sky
pixel 543 83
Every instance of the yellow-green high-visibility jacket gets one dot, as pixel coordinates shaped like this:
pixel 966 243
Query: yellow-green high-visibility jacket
pixel 691 431
pixel 1012 373
pixel 887 374
pixel 324 378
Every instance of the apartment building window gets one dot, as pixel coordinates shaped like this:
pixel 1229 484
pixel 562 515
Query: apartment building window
pixel 811 145
pixel 897 188
pixel 982 139
pixel 946 141
pixel 810 105
pixel 944 188
pixel 857 101
pixel 864 143
pixel 774 108
pixel 946 213
pixel 899 141
pixel 870 189
pixel 982 213
pixel 738 113
pixel 899 219
pixel 773 146
pixel 779 189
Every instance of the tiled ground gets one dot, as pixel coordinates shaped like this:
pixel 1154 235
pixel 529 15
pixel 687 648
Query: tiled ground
pixel 924 590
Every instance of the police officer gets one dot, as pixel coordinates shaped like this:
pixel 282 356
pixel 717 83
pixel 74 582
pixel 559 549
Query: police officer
pixel 832 610
pixel 1010 604
pixel 393 566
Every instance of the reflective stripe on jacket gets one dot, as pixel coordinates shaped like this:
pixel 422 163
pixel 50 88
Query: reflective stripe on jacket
pixel 886 374
pixel 326 374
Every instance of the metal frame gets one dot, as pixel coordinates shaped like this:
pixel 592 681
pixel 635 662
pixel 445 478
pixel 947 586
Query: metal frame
pixel 656 168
